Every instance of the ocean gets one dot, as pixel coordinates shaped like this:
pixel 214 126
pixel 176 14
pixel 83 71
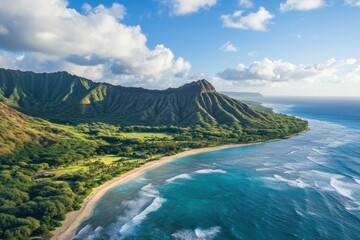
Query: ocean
pixel 306 187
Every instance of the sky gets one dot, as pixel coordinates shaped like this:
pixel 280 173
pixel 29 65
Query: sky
pixel 275 47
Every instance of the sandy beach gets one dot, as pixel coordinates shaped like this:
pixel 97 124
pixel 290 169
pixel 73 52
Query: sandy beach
pixel 75 218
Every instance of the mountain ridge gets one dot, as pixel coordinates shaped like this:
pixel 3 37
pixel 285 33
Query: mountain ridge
pixel 63 97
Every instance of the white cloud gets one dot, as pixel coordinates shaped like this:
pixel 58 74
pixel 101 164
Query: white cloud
pixel 53 37
pixel 301 5
pixel 246 3
pixel 269 71
pixel 256 21
pixel 184 7
pixel 353 3
pixel 228 47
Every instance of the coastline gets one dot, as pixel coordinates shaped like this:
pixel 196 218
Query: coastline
pixel 75 218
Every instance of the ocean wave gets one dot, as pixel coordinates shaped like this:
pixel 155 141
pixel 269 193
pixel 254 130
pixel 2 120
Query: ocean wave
pixel 263 169
pixel 149 191
pixel 292 152
pixel 316 160
pixel 181 176
pixel 295 183
pixel 341 187
pixel 197 234
pixel 357 181
pixel 209 171
pixel 128 227
pixel 88 233
pixel 319 150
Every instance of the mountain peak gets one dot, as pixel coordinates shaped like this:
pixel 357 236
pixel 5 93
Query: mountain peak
pixel 206 86
pixel 200 86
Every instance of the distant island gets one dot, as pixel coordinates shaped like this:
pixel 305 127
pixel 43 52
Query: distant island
pixel 63 135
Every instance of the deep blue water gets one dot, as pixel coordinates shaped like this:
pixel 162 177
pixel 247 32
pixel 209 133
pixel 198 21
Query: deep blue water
pixel 306 187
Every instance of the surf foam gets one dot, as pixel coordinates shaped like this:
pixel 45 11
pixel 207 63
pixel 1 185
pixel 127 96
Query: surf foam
pixel 295 183
pixel 209 171
pixel 153 207
pixel 197 234
pixel 181 176
pixel 340 186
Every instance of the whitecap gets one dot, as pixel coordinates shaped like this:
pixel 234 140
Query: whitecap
pixel 181 176
pixel 340 186
pixel 319 151
pixel 295 183
pixel 128 227
pixel 357 181
pixel 263 169
pixel 292 152
pixel 316 160
pixel 87 233
pixel 84 231
pixel 149 191
pixel 197 234
pixel 209 171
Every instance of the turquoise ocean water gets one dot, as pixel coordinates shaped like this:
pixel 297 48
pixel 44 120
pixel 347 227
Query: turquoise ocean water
pixel 306 187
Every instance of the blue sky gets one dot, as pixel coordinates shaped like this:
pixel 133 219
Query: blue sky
pixel 277 47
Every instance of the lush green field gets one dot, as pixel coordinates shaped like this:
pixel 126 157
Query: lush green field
pixel 143 135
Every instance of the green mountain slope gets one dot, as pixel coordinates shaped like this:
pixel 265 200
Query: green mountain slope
pixel 68 98
pixel 35 138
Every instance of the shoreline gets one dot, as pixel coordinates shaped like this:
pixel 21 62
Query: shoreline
pixel 75 218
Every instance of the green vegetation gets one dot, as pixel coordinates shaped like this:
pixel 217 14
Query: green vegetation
pixel 47 169
pixel 41 181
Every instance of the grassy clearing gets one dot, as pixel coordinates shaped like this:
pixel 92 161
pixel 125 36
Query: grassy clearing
pixel 107 159
pixel 68 169
pixel 143 135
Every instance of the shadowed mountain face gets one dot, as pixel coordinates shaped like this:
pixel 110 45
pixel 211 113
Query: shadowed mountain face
pixel 68 98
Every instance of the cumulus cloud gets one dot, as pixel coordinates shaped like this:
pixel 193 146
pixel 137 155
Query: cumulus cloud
pixel 301 5
pixel 353 3
pixel 246 3
pixel 257 21
pixel 228 47
pixel 184 7
pixel 269 71
pixel 53 36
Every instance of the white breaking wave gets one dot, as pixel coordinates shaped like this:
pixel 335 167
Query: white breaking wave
pixel 149 191
pixel 263 169
pixel 209 171
pixel 181 176
pixel 316 160
pixel 357 180
pixel 340 186
pixel 153 207
pixel 295 183
pixel 292 152
pixel 319 151
pixel 197 234
pixel 87 233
